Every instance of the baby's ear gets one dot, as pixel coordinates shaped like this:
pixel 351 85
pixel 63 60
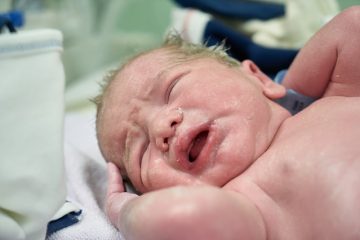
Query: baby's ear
pixel 271 89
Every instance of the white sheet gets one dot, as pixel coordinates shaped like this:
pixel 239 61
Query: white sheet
pixel 86 180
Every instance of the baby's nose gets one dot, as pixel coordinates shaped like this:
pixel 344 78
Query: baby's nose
pixel 165 127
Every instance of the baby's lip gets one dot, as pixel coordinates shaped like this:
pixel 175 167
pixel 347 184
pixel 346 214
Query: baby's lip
pixel 186 140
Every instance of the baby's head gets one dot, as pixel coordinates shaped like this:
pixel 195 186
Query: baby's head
pixel 186 114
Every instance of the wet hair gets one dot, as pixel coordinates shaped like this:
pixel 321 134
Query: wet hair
pixel 186 51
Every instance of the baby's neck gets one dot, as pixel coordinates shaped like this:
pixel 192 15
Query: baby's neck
pixel 278 115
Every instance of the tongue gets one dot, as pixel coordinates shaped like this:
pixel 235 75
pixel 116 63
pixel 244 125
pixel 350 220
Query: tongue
pixel 198 145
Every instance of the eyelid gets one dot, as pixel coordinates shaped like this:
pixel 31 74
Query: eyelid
pixel 173 83
pixel 170 88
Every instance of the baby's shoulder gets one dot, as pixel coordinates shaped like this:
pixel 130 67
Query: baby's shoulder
pixel 326 115
pixel 300 170
pixel 332 108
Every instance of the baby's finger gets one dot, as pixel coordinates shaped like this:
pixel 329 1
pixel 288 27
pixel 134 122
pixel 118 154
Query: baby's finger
pixel 115 183
pixel 116 196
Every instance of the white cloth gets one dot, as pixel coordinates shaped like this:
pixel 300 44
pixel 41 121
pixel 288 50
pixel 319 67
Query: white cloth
pixel 67 208
pixel 32 185
pixel 86 181
pixel 301 20
pixel 189 23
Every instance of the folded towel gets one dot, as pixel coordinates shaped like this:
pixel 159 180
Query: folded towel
pixel 32 186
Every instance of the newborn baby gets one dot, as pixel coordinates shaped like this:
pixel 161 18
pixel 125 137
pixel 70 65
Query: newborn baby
pixel 217 158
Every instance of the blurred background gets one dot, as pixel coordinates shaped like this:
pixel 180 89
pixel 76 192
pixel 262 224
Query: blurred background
pixel 100 34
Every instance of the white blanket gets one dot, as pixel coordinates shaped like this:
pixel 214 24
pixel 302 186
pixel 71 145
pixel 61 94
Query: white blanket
pixel 31 122
pixel 86 180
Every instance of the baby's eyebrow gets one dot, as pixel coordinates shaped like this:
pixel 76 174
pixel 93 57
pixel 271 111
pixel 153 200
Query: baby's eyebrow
pixel 168 74
pixel 161 77
pixel 154 83
pixel 164 73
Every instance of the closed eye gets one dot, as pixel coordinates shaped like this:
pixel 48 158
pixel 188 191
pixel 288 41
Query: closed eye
pixel 173 84
pixel 169 90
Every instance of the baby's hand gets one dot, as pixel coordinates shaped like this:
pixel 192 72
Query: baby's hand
pixel 116 197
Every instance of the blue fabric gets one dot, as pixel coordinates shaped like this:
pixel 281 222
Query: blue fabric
pixel 269 60
pixel 293 101
pixel 11 20
pixel 243 10
pixel 16 18
pixel 63 222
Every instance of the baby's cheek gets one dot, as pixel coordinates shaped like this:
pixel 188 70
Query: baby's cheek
pixel 236 152
pixel 161 176
pixel 155 173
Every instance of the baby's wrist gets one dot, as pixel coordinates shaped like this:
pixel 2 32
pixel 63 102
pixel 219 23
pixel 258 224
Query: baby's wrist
pixel 115 207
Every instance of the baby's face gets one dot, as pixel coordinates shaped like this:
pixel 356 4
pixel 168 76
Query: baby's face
pixel 197 122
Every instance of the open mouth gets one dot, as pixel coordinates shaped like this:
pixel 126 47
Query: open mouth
pixel 197 145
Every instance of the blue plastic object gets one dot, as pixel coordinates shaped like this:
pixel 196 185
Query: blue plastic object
pixel 12 20
pixel 293 101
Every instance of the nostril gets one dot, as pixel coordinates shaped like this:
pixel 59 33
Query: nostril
pixel 164 128
pixel 173 124
pixel 162 144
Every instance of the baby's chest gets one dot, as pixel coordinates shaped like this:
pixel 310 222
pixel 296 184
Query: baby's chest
pixel 322 140
pixel 312 171
pixel 315 192
pixel 319 148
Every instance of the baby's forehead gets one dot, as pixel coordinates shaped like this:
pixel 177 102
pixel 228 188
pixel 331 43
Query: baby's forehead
pixel 162 55
pixel 146 68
